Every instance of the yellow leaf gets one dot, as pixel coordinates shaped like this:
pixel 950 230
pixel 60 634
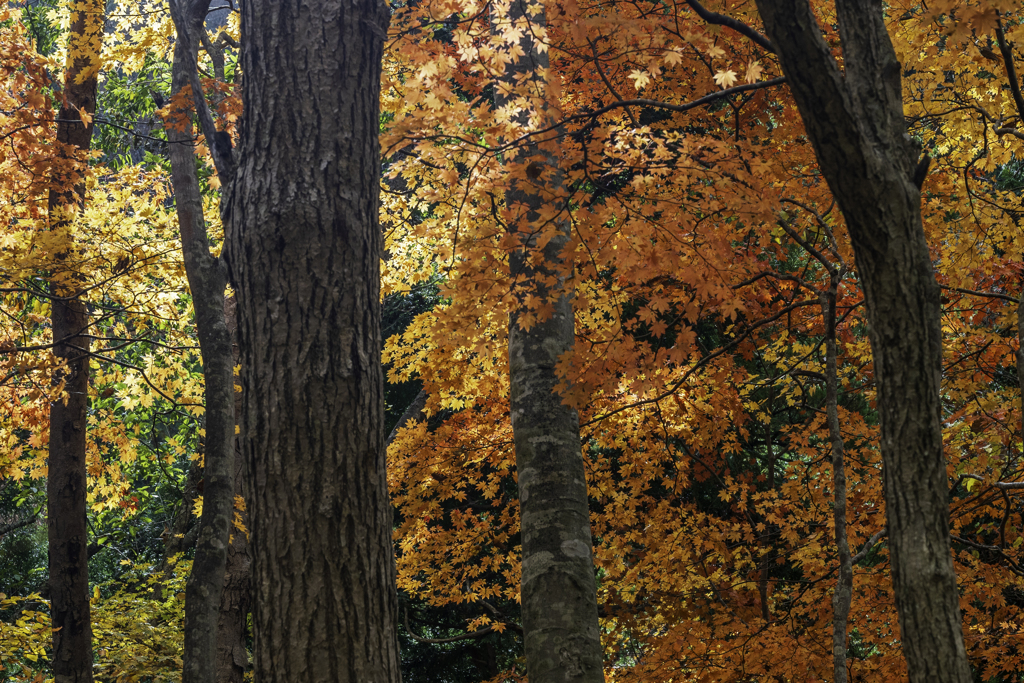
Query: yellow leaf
pixel 726 78
pixel 672 57
pixel 754 70
pixel 640 78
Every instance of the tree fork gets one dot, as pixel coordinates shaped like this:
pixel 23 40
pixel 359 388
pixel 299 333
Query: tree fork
pixel 207 278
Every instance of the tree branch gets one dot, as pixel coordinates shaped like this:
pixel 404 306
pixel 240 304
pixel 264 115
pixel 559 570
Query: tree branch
pixel 454 639
pixel 1011 71
pixel 875 538
pixel 992 295
pixel 188 20
pixel 14 526
pixel 729 22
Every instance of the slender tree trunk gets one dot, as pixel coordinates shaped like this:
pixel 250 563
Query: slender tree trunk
pixel 207 278
pixel 843 596
pixel 1020 361
pixel 67 477
pixel 232 659
pixel 181 534
pixel 854 119
pixel 562 634
pixel 235 604
pixel 412 414
pixel 304 249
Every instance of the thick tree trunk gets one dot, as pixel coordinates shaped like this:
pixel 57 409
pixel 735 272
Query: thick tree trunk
pixel 67 476
pixel 304 250
pixel 854 118
pixel 207 278
pixel 562 634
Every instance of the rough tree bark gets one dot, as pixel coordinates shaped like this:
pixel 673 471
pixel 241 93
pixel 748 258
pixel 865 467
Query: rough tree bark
pixel 304 251
pixel 232 659
pixel 854 119
pixel 207 278
pixel 843 597
pixel 562 635
pixel 236 601
pixel 67 476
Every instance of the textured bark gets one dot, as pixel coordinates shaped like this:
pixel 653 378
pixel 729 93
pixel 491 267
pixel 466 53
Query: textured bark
pixel 1020 358
pixel 843 596
pixel 207 278
pixel 67 476
pixel 412 414
pixel 236 601
pixel 562 635
pixel 232 659
pixel 854 119
pixel 182 532
pixel 304 249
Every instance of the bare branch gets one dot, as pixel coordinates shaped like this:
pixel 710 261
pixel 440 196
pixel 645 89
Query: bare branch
pixel 875 538
pixel 991 295
pixel 14 526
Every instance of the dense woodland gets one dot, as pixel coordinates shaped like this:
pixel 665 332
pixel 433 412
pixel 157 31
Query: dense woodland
pixel 692 332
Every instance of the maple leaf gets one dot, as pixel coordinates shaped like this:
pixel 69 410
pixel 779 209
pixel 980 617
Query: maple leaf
pixel 427 70
pixel 725 78
pixel 984 21
pixel 754 70
pixel 672 57
pixel 640 78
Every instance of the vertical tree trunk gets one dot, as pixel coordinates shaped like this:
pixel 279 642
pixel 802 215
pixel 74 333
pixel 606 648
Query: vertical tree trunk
pixel 232 659
pixel 1020 359
pixel 207 279
pixel 843 597
pixel 235 604
pixel 562 634
pixel 67 477
pixel 854 119
pixel 304 250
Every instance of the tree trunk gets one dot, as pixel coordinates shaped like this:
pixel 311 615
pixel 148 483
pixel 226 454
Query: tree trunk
pixel 67 477
pixel 236 601
pixel 232 659
pixel 207 278
pixel 562 634
pixel 843 597
pixel 854 119
pixel 304 250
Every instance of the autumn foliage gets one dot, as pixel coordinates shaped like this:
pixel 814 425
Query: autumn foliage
pixel 703 238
